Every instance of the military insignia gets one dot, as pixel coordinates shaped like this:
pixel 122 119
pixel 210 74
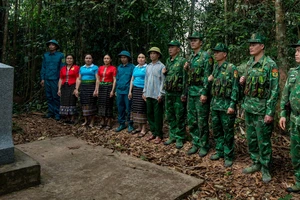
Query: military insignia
pixel 235 73
pixel 275 73
pixel 210 61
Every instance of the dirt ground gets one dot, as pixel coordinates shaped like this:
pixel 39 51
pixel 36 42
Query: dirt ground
pixel 220 182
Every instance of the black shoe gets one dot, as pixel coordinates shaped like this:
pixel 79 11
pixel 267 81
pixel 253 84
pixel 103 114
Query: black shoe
pixel 295 188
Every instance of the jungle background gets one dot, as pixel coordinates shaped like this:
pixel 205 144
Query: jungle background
pixel 109 26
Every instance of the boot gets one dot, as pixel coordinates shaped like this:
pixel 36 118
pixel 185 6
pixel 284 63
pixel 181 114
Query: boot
pixel 253 168
pixel 179 144
pixel 169 141
pixel 295 188
pixel 192 150
pixel 216 156
pixel 266 176
pixel 228 163
pixel 203 152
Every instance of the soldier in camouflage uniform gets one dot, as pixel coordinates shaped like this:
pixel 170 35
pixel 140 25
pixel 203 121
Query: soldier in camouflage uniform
pixel 290 103
pixel 198 68
pixel 261 91
pixel 174 87
pixel 224 93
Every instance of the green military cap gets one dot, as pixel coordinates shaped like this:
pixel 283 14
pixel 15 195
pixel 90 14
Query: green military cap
pixel 53 42
pixel 296 45
pixel 257 38
pixel 155 49
pixel 174 43
pixel 196 35
pixel 221 47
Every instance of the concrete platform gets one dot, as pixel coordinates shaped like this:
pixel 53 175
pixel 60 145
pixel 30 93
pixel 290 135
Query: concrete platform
pixel 71 169
pixel 23 173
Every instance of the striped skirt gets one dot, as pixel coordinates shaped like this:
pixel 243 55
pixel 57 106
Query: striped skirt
pixel 67 100
pixel 105 103
pixel 138 108
pixel 87 100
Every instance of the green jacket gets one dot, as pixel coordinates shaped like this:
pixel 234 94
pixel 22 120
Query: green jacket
pixel 201 66
pixel 175 76
pixel 225 87
pixel 291 95
pixel 261 87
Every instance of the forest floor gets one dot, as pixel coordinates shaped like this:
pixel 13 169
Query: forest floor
pixel 220 182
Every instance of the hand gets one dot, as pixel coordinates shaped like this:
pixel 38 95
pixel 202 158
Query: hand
pixel 111 95
pixel 210 78
pixel 129 95
pixel 42 83
pixel 159 99
pixel 95 94
pixel 143 96
pixel 183 98
pixel 76 92
pixel 268 119
pixel 59 93
pixel 242 80
pixel 230 111
pixel 282 123
pixel 186 66
pixel 164 70
pixel 203 99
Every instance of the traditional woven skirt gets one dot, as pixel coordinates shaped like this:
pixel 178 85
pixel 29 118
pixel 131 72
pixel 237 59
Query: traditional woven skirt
pixel 87 100
pixel 138 108
pixel 67 100
pixel 105 103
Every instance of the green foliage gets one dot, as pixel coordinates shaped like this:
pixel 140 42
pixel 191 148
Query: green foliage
pixel 286 197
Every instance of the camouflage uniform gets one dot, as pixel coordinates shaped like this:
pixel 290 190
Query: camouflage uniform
pixel 201 65
pixel 261 94
pixel 224 95
pixel 290 100
pixel 174 87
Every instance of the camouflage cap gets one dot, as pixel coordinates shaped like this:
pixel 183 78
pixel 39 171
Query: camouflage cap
pixel 296 45
pixel 174 43
pixel 221 47
pixel 257 38
pixel 53 42
pixel 196 35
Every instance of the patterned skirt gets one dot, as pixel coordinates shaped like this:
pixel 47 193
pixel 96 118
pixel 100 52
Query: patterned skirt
pixel 138 108
pixel 87 100
pixel 105 103
pixel 67 100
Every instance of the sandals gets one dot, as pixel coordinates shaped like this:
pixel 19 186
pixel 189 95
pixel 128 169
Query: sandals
pixel 136 131
pixel 152 137
pixel 157 140
pixel 107 128
pixel 142 134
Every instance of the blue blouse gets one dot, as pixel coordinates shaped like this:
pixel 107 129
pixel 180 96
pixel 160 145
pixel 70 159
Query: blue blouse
pixel 88 73
pixel 139 74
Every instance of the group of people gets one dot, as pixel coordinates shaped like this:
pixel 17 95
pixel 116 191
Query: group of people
pixel 192 89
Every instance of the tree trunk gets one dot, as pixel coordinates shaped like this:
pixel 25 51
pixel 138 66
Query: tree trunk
pixel 280 40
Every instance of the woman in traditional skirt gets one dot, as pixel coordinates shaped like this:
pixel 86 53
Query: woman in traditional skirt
pixel 138 109
pixel 87 81
pixel 66 87
pixel 105 90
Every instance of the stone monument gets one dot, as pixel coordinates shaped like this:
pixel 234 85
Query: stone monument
pixel 6 92
pixel 17 169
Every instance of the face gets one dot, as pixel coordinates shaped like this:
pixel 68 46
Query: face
pixel 124 60
pixel 107 60
pixel 173 50
pixel 69 60
pixel 256 48
pixel 154 56
pixel 195 43
pixel 297 54
pixel 219 55
pixel 141 59
pixel 52 47
pixel 88 59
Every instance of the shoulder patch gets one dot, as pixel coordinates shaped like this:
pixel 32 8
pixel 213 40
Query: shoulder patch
pixel 275 73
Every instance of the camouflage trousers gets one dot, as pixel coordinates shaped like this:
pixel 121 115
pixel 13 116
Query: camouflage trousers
pixel 259 139
pixel 197 117
pixel 295 149
pixel 223 130
pixel 175 112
